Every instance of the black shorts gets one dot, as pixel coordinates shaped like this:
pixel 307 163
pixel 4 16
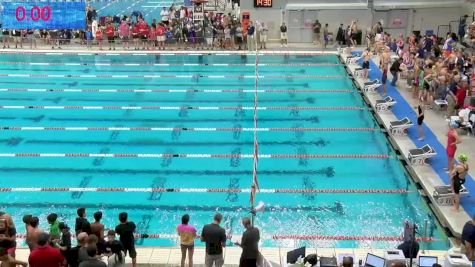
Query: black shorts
pixel 458 184
pixel 366 65
pixel 110 39
pixel 143 37
pixel 131 251
pixel 420 120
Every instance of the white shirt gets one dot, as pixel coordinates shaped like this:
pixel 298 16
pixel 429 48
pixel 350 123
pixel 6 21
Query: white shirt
pixel 165 14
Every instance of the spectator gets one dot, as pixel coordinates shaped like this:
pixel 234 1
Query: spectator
pixel 187 235
pixel 33 233
pixel 325 35
pixel 7 233
pixel 468 239
pixel 110 32
pixel 409 248
pixel 82 251
pixel 54 231
pixel 82 224
pixel 65 242
pixel 93 261
pixel 97 228
pixel 215 238
pixel 347 261
pixel 263 35
pixel 249 244
pixel 44 255
pixel 114 251
pixel 124 34
pixel 340 36
pixel 89 37
pixel 283 35
pixel 8 261
pixel 165 14
pixel 316 30
pixel 250 36
pixel 126 231
pixel 395 69
pixel 6 38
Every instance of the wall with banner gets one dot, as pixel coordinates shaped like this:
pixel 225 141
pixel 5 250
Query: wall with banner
pixel 44 15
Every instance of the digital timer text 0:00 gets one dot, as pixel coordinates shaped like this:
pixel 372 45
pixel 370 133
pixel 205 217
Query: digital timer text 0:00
pixel 36 13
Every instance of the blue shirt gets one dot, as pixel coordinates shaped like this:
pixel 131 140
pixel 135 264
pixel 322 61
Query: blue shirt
pixel 250 30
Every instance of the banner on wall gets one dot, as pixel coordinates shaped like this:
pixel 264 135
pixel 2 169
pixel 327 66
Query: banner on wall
pixel 198 12
pixel 44 15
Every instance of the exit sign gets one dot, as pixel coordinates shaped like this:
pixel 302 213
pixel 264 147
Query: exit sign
pixel 262 3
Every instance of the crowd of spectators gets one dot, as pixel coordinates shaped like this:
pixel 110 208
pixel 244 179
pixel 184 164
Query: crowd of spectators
pixel 96 246
pixel 176 29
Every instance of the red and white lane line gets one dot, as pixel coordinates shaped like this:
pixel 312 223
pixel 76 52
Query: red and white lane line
pixel 184 155
pixel 182 108
pixel 21 75
pixel 203 190
pixel 170 64
pixel 195 129
pixel 44 90
pixel 293 237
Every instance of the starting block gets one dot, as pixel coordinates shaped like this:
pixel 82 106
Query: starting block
pixel 444 196
pixel 359 72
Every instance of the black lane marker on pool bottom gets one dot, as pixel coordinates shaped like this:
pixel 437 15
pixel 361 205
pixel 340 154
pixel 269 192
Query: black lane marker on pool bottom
pixel 326 171
pixel 143 228
pixel 313 119
pixel 233 196
pixel 86 180
pixel 158 182
pixel 337 207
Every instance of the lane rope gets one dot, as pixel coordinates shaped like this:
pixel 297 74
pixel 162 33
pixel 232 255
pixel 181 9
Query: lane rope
pixel 18 75
pixel 164 155
pixel 185 107
pixel 167 53
pixel 292 237
pixel 171 64
pixel 196 129
pixel 202 190
pixel 172 90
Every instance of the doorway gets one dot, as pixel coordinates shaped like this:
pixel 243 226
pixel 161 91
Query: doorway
pixel 300 25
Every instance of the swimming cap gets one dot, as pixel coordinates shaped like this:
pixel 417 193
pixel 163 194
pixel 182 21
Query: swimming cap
pixel 453 124
pixel 463 158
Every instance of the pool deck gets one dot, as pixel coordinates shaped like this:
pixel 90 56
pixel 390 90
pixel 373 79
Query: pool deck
pixel 427 175
pixel 172 256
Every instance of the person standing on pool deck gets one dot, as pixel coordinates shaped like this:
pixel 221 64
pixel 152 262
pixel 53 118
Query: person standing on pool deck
pixel 283 35
pixel 250 36
pixel 187 235
pixel 420 120
pixel 452 140
pixel 215 238
pixel 366 58
pixel 82 224
pixel 249 244
pixel 384 64
pixel 126 231
pixel 458 179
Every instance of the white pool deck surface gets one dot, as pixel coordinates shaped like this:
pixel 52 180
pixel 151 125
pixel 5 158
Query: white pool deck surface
pixel 426 176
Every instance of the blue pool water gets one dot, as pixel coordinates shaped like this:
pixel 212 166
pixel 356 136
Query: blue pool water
pixel 345 214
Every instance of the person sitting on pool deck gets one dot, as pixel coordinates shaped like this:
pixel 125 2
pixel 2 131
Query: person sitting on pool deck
pixel 126 231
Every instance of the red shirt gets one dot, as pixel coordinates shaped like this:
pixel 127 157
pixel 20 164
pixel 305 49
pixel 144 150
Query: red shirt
pixel 46 256
pixel 461 94
pixel 110 30
pixel 135 31
pixel 161 31
pixel 143 28
pixel 99 35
